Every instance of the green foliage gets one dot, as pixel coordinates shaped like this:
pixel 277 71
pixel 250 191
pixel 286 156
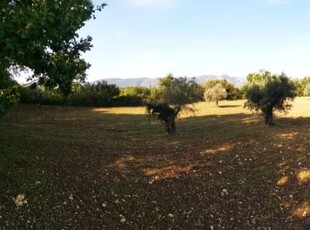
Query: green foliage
pixel 30 95
pixel 42 35
pixel 260 78
pixel 6 81
pixel 8 92
pixel 90 94
pixel 216 93
pixel 301 86
pixel 136 96
pixel 173 96
pixel 41 96
pixel 178 92
pixel 304 82
pixel 138 91
pixel 64 70
pixel 101 92
pixel 155 95
pixel 268 93
pixel 8 98
pixel 306 91
pixel 233 92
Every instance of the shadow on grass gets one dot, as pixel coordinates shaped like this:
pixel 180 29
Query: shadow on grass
pixel 229 106
pixel 123 171
pixel 238 162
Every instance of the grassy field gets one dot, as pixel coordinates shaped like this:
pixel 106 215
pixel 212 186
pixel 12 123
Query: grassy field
pixel 114 168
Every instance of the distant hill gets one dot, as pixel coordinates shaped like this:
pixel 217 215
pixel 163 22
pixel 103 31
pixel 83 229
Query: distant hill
pixel 153 82
pixel 236 81
pixel 126 82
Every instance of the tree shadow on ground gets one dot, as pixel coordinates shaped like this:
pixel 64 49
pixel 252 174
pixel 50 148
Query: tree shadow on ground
pixel 221 171
pixel 235 166
pixel 229 106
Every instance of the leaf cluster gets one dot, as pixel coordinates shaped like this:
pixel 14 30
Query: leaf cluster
pixel 178 92
pixel 172 96
pixel 42 35
pixel 233 92
pixel 8 98
pixel 303 86
pixel 216 93
pixel 270 92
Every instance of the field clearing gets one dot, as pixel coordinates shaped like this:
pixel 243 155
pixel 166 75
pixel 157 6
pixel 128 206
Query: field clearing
pixel 300 108
pixel 115 168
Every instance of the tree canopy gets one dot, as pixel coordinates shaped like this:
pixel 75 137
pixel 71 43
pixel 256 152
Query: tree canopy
pixel 42 36
pixel 269 92
pixel 100 92
pixel 216 93
pixel 233 92
pixel 174 95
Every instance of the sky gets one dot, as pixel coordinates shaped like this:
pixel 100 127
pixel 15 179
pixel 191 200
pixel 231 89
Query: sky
pixel 152 38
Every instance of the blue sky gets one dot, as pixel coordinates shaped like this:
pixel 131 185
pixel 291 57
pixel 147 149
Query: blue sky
pixel 151 38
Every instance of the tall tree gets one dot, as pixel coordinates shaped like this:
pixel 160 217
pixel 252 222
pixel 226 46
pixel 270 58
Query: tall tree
pixel 173 96
pixel 268 93
pixel 42 36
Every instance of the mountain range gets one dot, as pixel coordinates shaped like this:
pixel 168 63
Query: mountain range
pixel 153 82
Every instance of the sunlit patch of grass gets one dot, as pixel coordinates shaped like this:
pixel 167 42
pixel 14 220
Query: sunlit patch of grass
pixel 302 210
pixel 121 110
pixel 303 176
pixel 167 172
pixel 291 135
pixel 219 149
pixel 282 181
pixel 226 107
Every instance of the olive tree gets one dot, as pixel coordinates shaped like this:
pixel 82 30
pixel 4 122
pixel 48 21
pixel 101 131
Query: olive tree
pixel 268 93
pixel 216 93
pixel 306 91
pixel 42 36
pixel 233 92
pixel 173 96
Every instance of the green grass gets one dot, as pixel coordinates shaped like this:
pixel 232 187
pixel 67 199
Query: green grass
pixel 114 168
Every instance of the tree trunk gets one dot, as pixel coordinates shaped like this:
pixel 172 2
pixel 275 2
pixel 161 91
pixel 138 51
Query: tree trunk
pixel 170 125
pixel 269 119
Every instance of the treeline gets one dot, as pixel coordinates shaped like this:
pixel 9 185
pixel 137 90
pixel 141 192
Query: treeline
pixel 89 94
pixel 102 94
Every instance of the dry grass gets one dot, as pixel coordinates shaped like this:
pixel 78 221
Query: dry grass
pixel 113 168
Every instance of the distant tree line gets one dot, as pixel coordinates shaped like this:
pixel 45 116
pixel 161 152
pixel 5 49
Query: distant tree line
pixel 109 95
pixel 103 94
pixel 98 94
pixel 264 92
